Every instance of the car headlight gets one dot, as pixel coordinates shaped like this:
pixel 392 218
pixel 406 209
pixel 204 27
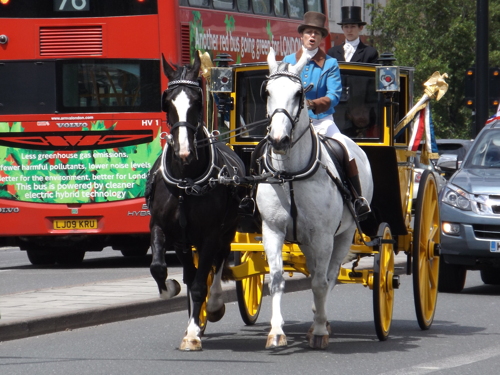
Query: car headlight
pixel 457 197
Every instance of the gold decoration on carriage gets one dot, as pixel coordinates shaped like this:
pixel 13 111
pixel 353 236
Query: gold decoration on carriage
pixel 435 88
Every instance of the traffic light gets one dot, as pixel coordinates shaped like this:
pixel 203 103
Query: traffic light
pixel 494 87
pixel 470 87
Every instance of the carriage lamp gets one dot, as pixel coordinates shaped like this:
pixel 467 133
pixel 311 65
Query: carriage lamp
pixel 221 77
pixel 3 39
pixel 387 78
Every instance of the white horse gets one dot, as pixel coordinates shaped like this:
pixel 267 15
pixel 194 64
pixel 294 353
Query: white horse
pixel 308 207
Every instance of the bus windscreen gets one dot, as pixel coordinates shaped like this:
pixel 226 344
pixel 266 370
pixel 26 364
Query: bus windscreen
pixel 76 8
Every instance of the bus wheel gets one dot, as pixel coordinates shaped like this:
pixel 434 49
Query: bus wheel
pixel 40 258
pixel 135 251
pixel 70 258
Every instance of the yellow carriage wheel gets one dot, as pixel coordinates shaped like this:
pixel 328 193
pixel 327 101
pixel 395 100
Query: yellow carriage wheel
pixel 426 239
pixel 383 287
pixel 249 290
pixel 203 311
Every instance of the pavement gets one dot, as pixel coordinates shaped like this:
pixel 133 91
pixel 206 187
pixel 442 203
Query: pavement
pixel 44 311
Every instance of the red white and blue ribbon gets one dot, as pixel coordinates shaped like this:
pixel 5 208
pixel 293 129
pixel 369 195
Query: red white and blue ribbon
pixel 423 129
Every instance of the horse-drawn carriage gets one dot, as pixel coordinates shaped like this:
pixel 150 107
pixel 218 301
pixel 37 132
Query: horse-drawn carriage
pixel 395 225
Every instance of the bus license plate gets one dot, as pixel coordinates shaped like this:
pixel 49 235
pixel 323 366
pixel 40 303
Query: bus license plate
pixel 75 224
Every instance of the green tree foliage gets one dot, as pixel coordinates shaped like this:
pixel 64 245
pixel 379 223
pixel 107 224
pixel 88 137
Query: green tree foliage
pixel 436 35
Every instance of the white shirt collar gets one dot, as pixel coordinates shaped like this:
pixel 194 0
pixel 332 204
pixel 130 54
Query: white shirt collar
pixel 309 53
pixel 353 43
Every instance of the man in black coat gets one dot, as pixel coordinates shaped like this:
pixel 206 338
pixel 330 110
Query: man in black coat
pixel 353 49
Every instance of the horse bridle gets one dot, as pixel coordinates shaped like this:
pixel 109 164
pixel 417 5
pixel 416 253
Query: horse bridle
pixel 294 77
pixel 191 186
pixel 172 85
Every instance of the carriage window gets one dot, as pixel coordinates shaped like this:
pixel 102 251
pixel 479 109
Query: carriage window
pixel 251 107
pixel 261 6
pixel 296 8
pixel 243 5
pixel 357 114
pixel 223 4
pixel 108 85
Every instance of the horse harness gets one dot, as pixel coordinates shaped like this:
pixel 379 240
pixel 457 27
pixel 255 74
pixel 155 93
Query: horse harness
pixel 263 155
pixel 218 155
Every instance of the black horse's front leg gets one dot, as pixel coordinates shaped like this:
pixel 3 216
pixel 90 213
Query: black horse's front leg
pixel 158 268
pixel 196 281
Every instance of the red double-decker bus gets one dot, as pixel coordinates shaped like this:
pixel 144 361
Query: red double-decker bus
pixel 80 114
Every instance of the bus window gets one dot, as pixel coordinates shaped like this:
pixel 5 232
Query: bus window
pixel 296 8
pixel 279 8
pixel 261 6
pixel 314 5
pixel 200 3
pixel 223 4
pixel 243 5
pixel 27 87
pixel 80 8
pixel 251 107
pixel 108 85
pixel 357 114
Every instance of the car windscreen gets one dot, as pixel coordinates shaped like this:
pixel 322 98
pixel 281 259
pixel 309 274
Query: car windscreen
pixel 486 151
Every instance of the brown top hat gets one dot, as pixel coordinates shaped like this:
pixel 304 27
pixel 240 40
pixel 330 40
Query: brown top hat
pixel 351 15
pixel 316 20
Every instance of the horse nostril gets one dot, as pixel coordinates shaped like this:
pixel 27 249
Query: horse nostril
pixel 285 141
pixel 281 145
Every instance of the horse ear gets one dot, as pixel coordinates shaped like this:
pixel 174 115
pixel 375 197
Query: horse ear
pixel 271 60
pixel 168 69
pixel 297 68
pixel 196 65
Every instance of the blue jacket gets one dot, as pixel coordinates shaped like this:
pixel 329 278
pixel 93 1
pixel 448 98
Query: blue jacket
pixel 324 73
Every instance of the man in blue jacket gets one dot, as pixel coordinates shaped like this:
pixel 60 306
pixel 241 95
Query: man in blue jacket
pixel 322 71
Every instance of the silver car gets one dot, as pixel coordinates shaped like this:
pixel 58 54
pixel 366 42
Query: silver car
pixel 470 213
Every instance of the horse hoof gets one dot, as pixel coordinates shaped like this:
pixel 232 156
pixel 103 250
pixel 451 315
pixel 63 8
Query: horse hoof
pixel 275 341
pixel 319 342
pixel 190 345
pixel 173 289
pixel 215 316
pixel 309 334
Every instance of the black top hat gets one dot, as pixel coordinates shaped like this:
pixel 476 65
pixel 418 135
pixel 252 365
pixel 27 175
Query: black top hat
pixel 316 20
pixel 351 15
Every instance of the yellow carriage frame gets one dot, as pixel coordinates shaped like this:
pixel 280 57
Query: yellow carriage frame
pixel 401 228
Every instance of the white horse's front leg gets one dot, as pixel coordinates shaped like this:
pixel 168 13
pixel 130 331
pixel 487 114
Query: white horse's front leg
pixel 319 333
pixel 273 245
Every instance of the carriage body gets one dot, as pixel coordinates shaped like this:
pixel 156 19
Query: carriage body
pixel 369 118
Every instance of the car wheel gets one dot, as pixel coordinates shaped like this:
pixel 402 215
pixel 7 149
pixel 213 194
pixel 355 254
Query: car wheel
pixel 451 277
pixel 491 276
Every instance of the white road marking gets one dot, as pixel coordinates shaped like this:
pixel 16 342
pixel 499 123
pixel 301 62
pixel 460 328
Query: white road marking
pixel 449 362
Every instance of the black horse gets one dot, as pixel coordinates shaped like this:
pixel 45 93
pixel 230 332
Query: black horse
pixel 189 209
